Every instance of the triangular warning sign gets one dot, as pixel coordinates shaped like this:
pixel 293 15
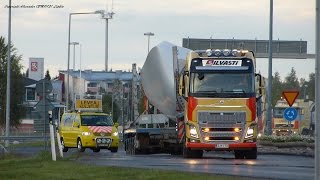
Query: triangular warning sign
pixel 290 96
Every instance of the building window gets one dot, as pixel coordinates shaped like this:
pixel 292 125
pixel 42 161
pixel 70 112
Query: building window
pixel 92 84
pixel 31 94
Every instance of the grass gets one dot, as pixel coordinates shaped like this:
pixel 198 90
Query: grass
pixel 42 167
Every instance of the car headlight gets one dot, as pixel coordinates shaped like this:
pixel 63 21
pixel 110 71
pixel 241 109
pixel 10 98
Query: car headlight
pixel 249 133
pixel 115 134
pixel 86 133
pixel 193 132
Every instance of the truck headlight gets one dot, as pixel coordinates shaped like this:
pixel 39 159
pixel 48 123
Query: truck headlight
pixel 86 133
pixel 193 132
pixel 249 133
pixel 115 134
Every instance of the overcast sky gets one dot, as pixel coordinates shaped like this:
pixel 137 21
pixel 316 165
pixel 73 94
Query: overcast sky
pixel 43 32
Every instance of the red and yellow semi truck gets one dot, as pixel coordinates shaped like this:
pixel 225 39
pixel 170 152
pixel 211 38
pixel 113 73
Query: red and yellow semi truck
pixel 212 96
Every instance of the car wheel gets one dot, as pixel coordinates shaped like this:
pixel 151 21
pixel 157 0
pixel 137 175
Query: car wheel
pixel 96 149
pixel 114 149
pixel 64 148
pixel 79 146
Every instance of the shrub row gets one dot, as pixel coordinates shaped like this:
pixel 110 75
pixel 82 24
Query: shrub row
pixel 292 138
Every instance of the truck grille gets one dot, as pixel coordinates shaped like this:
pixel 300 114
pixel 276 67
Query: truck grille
pixel 221 126
pixel 102 134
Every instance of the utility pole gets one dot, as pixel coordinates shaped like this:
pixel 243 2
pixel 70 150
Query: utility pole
pixel 317 90
pixel 8 79
pixel 135 112
pixel 107 15
pixel 269 112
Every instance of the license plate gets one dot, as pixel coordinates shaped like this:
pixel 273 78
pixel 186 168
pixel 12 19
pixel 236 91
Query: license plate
pixel 103 145
pixel 222 146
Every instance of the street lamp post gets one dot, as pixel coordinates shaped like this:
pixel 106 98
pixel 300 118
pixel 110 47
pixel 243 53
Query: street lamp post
pixel 68 69
pixel 107 16
pixel 74 67
pixel 74 53
pixel 148 34
pixel 8 79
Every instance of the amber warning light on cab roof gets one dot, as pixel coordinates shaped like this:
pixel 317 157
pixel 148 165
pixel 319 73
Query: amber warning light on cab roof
pixel 223 53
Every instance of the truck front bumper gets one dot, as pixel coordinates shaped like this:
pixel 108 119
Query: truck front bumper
pixel 221 146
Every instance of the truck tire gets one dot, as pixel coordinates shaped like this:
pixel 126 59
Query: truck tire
pixel 251 154
pixel 96 150
pixel 79 146
pixel 238 154
pixel 187 153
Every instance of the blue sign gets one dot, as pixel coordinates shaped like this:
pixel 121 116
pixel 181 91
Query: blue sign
pixel 290 114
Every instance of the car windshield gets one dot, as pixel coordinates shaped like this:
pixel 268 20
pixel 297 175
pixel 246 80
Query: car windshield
pixel 222 83
pixel 96 120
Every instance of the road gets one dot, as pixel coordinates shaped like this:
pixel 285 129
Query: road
pixel 265 167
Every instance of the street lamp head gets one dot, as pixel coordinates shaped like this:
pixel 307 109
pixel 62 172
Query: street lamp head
pixel 107 15
pixel 74 43
pixel 148 34
pixel 99 12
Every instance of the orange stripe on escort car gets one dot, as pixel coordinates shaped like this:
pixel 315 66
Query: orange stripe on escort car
pixel 100 129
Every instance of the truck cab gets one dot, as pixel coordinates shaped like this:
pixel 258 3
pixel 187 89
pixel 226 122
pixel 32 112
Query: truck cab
pixel 220 91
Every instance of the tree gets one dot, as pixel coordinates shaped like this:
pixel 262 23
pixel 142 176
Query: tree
pixel 47 76
pixel 277 88
pixel 17 110
pixel 291 81
pixel 107 107
pixel 310 89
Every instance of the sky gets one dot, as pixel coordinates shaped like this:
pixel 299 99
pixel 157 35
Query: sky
pixel 43 32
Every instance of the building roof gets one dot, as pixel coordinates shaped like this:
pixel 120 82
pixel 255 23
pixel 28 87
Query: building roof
pixel 28 81
pixel 90 75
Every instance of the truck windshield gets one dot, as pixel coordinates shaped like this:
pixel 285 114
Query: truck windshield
pixel 221 83
pixel 96 120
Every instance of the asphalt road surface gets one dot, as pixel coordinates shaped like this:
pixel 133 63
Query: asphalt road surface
pixel 286 167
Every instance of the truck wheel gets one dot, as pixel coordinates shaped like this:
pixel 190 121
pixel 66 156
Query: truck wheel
pixel 238 154
pixel 114 149
pixel 79 146
pixel 96 149
pixel 252 154
pixel 187 153
pixel 64 148
pixel 197 154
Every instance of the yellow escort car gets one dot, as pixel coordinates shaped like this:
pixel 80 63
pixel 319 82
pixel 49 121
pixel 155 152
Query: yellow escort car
pixel 94 130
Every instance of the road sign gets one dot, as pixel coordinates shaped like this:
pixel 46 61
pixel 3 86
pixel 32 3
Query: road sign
pixel 290 96
pixel 290 114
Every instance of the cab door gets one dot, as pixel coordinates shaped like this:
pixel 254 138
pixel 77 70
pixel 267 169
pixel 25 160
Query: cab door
pixel 75 129
pixel 65 129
